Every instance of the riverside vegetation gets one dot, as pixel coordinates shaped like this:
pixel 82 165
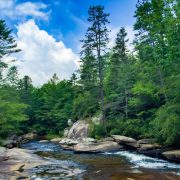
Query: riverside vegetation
pixel 136 93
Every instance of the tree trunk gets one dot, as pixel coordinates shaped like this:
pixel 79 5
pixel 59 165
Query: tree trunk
pixel 101 86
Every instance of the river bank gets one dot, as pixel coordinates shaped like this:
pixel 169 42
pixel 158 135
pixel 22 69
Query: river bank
pixel 15 163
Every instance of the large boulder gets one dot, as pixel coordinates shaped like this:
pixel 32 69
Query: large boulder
pixel 79 130
pixel 126 141
pixel 173 155
pixel 16 163
pixel 99 147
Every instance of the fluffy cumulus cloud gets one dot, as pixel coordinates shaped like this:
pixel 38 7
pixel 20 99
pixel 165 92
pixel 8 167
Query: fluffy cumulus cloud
pixel 130 36
pixel 9 8
pixel 42 55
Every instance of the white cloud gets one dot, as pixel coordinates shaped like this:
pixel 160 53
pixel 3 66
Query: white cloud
pixel 130 36
pixel 11 9
pixel 42 56
pixel 6 4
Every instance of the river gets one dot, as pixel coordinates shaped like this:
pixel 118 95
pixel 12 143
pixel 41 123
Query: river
pixel 121 165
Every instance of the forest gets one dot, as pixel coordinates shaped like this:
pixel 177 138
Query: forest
pixel 136 93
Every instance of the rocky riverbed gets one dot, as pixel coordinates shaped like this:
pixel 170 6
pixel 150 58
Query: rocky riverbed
pixel 47 160
pixel 76 156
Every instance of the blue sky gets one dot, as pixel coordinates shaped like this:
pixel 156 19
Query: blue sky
pixel 62 23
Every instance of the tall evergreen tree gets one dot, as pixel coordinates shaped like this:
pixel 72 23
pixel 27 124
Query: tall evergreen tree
pixel 7 45
pixel 88 70
pixel 118 70
pixel 96 40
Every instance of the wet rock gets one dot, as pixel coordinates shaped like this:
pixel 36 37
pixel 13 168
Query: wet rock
pixel 146 147
pixel 64 170
pixel 67 147
pixel 173 155
pixel 157 153
pixel 68 142
pixel 19 162
pixel 126 141
pixel 99 147
pixel 79 130
pixel 56 140
pixel 43 141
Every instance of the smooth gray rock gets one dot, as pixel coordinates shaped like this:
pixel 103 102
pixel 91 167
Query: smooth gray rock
pixel 127 141
pixel 173 155
pixel 146 147
pixel 99 147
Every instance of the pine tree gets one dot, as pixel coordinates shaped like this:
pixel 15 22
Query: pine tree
pixel 88 71
pixel 118 73
pixel 7 45
pixel 96 40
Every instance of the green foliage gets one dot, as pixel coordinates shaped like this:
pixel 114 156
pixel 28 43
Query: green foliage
pixel 85 105
pixel 12 111
pixel 135 128
pixel 52 136
pixel 52 107
pixel 97 131
pixel 166 125
pixel 7 42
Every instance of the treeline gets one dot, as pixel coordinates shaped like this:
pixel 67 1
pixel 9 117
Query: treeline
pixel 135 93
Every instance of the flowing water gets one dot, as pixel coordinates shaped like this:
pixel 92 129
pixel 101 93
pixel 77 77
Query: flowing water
pixel 121 165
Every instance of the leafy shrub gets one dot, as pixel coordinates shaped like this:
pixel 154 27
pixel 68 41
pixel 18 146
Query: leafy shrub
pixel 132 127
pixel 166 125
pixel 97 132
pixel 85 105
